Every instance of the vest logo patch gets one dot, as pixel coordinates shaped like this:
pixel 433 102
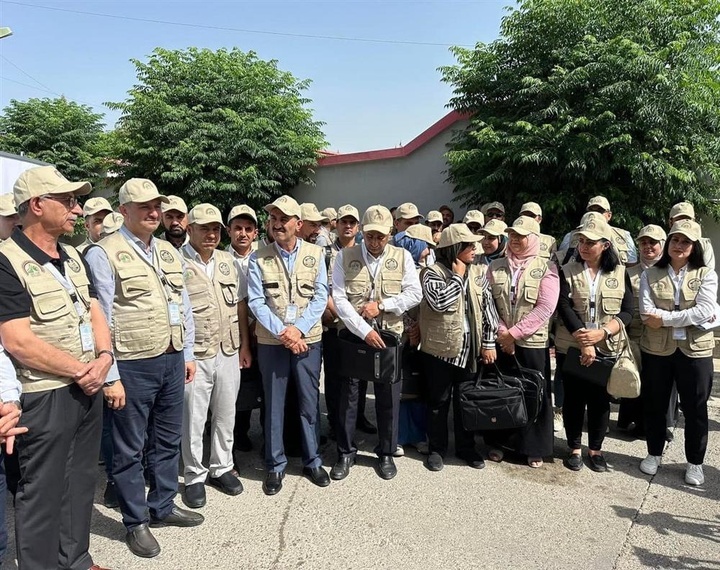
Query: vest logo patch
pixel 268 260
pixel 166 256
pixel 611 283
pixel 224 268
pixel 189 274
pixel 73 265
pixel 309 261
pixel 694 284
pixel 478 281
pixel 355 265
pixel 537 273
pixel 543 247
pixel 124 256
pixel 391 265
pixel 32 268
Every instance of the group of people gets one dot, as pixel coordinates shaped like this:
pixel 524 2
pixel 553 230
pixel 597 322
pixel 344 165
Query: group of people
pixel 140 347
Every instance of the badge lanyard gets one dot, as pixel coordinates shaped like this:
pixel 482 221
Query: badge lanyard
pixel 593 297
pixel 292 311
pixel 372 275
pixel 514 285
pixel 678 332
pixel 173 307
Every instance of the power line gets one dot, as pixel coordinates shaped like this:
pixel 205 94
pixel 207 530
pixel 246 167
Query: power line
pixel 28 75
pixel 48 91
pixel 240 30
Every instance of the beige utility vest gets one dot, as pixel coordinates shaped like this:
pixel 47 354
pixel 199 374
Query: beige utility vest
pixel 609 294
pixel 698 343
pixel 526 296
pixel 621 244
pixel 282 289
pixel 53 315
pixel 442 333
pixel 214 304
pixel 388 282
pixel 548 245
pixel 141 316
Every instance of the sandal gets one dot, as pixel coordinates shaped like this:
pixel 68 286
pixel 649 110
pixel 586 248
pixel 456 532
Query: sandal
pixel 535 462
pixel 496 455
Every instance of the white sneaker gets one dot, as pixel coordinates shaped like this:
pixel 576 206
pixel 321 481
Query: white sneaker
pixel 650 464
pixel 558 424
pixel 399 451
pixel 694 474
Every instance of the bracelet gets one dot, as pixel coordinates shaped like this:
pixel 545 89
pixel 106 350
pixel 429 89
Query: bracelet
pixel 109 353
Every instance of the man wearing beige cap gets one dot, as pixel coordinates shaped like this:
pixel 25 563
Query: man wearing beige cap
pixel 406 215
pixel 448 215
pixel 548 244
pixel 142 290
pixel 94 212
pixel 63 359
pixel 686 211
pixel 311 220
pixel 374 282
pixel 474 220
pixel 9 218
pixel 493 211
pixel 434 220
pixel 327 230
pixel 174 220
pixel 212 282
pixel 287 293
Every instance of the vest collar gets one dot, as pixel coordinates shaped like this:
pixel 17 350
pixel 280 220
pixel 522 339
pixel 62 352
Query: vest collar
pixel 36 253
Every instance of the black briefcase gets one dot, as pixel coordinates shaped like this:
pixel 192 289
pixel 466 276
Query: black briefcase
pixel 597 373
pixel 532 383
pixel 364 362
pixel 493 401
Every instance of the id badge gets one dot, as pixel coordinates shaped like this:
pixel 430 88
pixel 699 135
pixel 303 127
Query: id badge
pixel 86 337
pixel 679 333
pixel 291 314
pixel 174 311
pixel 592 326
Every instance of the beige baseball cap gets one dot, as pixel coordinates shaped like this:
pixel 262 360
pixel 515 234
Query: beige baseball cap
pixel 111 223
pixel 140 190
pixel 7 205
pixel 457 233
pixel 601 201
pixel 474 217
pixel 525 226
pixel 407 211
pixel 682 209
pixel 348 210
pixel 286 204
pixel 492 206
pixel 591 217
pixel 242 210
pixel 377 219
pixel 595 230
pixel 46 180
pixel 434 216
pixel 95 205
pixel 653 232
pixel 494 228
pixel 329 214
pixel 175 203
pixel 310 213
pixel 532 207
pixel 421 232
pixel 205 214
pixel 689 228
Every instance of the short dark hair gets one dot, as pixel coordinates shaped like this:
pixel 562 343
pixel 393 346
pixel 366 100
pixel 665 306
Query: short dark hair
pixel 609 259
pixel 23 209
pixel 696 260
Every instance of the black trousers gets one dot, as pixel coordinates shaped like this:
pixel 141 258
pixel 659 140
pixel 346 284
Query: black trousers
pixel 693 378
pixel 58 469
pixel 579 396
pixel 250 396
pixel 443 382
pixel 331 365
pixel 387 409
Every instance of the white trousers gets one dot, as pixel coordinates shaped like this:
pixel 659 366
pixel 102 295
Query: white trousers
pixel 215 388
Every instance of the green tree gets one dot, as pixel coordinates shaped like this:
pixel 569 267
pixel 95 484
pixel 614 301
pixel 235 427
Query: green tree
pixel 217 126
pixel 60 132
pixel 585 97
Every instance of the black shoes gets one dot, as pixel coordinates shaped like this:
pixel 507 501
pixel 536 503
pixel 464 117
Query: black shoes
pixel 194 496
pixel 317 475
pixel 273 483
pixel 386 467
pixel 110 499
pixel 364 425
pixel 473 459
pixel 341 469
pixel 434 462
pixel 574 462
pixel 178 517
pixel 227 483
pixel 597 463
pixel 142 543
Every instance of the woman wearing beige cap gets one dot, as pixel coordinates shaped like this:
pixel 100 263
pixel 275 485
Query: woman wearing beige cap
pixel 525 290
pixel 677 302
pixel 494 242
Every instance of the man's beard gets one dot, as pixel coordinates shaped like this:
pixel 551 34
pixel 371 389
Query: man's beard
pixel 177 232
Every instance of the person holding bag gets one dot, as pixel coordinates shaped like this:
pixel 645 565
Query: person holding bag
pixel 525 288
pixel 676 295
pixel 595 298
pixel 458 324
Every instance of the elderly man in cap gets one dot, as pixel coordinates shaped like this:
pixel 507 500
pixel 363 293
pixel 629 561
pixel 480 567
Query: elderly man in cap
pixel 686 211
pixel 45 288
pixel 94 212
pixel 9 218
pixel 140 285
pixel 548 244
pixel 327 230
pixel 493 211
pixel 311 223
pixel 212 281
pixel 374 282
pixel 287 293
pixel 175 221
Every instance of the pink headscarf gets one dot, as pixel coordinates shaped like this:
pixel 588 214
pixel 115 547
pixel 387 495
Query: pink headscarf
pixel 518 261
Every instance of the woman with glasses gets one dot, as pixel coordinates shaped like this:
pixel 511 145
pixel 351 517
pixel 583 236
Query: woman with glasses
pixel 677 297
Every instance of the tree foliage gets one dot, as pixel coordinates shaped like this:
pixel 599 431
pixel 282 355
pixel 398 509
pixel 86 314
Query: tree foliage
pixel 218 126
pixel 585 97
pixel 60 132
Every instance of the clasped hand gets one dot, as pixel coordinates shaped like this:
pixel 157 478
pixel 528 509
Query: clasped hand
pixel 588 337
pixel 292 339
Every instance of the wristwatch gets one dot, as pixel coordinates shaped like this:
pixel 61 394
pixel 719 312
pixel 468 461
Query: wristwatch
pixel 109 383
pixel 108 352
pixel 381 306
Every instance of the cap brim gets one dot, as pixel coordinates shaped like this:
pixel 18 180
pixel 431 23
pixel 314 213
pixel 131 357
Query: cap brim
pixel 691 238
pixel 270 207
pixel 377 228
pixel 521 231
pixel 6 213
pixel 590 235
pixel 491 232
pixel 320 219
pixel 77 188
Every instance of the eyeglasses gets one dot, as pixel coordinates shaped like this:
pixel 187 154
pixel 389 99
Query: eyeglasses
pixel 494 215
pixel 68 201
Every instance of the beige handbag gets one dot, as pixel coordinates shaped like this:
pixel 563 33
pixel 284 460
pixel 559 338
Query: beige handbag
pixel 624 379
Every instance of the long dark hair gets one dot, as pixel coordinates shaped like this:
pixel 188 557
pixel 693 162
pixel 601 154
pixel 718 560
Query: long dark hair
pixel 696 259
pixel 449 254
pixel 609 259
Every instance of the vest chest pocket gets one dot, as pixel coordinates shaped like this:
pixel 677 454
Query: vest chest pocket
pixel 700 340
pixel 49 300
pixel 134 282
pixel 391 287
pixel 531 293
pixel 229 291
pixel 498 289
pixel 306 285
pixel 611 302
pixel 271 289
pixel 175 281
pixel 199 299
pixel 357 288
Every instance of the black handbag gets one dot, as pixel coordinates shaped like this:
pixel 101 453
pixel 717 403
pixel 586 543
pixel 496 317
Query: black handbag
pixel 364 362
pixel 492 401
pixel 597 373
pixel 533 385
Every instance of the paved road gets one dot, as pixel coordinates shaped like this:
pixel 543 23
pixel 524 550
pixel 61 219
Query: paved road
pixel 504 516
